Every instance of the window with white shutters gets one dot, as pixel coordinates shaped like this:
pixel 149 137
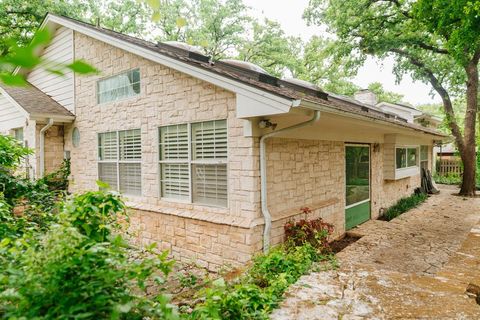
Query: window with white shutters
pixel 119 160
pixel 193 162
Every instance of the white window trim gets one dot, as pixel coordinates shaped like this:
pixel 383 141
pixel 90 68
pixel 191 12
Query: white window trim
pixel 417 148
pixel 190 162
pixel 118 161
pixel 97 93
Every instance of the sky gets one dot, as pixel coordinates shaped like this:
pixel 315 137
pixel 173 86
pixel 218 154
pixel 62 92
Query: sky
pixel 289 14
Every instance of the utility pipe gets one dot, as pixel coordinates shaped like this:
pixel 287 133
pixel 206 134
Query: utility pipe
pixel 42 146
pixel 263 176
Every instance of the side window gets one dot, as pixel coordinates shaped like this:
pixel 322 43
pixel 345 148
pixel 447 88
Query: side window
pixel 406 157
pixel 118 87
pixel 119 160
pixel 193 162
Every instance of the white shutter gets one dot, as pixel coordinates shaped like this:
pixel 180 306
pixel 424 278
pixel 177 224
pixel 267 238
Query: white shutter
pixel 174 142
pixel 107 146
pixel 210 184
pixel 107 172
pixel 209 140
pixel 130 145
pixel 175 181
pixel 130 178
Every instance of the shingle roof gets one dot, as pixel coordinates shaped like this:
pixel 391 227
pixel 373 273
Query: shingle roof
pixel 258 80
pixel 35 101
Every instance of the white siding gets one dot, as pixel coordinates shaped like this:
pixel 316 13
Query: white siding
pixel 59 51
pixel 10 116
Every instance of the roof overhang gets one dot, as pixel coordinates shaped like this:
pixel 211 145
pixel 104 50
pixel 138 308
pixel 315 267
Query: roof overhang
pixel 247 95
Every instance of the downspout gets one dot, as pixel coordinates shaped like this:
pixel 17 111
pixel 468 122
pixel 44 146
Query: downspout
pixel 263 176
pixel 42 146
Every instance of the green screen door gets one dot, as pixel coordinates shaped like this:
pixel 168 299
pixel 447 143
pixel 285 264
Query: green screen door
pixel 357 163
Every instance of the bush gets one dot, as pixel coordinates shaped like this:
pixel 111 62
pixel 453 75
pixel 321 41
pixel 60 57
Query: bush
pixel 315 232
pixel 261 288
pixel 449 178
pixel 404 204
pixel 78 268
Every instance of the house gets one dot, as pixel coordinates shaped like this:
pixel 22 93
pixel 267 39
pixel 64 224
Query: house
pixel 212 157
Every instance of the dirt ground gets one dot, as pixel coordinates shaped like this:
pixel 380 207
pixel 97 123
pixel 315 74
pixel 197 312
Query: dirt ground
pixel 418 266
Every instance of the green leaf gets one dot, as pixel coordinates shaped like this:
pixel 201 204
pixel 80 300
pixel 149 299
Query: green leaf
pixel 55 71
pixel 181 22
pixel 81 67
pixel 41 37
pixel 154 4
pixel 103 185
pixel 22 57
pixel 13 80
pixel 156 16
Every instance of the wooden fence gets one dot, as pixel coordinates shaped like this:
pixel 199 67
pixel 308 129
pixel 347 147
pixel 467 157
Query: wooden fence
pixel 448 166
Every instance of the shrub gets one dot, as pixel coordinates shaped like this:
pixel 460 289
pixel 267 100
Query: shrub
pixel 404 204
pixel 11 152
pixel 315 232
pixel 261 288
pixel 449 178
pixel 69 273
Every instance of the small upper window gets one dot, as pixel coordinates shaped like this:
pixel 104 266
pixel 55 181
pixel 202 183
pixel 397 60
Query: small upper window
pixel 118 87
pixel 18 134
pixel 406 157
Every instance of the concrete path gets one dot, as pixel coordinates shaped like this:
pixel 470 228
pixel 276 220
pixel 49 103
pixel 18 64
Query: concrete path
pixel 417 266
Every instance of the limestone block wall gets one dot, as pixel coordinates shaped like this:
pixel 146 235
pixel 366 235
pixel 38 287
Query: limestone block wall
pixel 54 147
pixel 385 193
pixel 305 173
pixel 167 97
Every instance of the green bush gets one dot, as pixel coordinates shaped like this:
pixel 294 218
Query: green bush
pixel 404 204
pixel 78 269
pixel 449 178
pixel 261 288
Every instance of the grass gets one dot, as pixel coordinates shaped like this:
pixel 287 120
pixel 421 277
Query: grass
pixel 404 204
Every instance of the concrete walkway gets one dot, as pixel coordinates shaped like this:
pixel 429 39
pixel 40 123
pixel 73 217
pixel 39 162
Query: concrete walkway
pixel 417 266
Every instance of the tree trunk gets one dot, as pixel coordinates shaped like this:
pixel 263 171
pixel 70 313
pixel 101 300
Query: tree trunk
pixel 468 154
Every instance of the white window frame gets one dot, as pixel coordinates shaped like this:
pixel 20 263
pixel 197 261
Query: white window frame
pixel 97 86
pixel 14 134
pixel 406 148
pixel 118 161
pixel 190 162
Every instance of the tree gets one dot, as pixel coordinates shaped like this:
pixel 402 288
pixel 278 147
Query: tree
pixel 270 48
pixel 436 41
pixel 384 95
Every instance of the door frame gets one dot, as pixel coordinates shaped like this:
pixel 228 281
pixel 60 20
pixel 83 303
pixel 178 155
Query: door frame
pixel 352 144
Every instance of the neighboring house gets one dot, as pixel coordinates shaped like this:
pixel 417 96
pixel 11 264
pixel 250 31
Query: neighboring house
pixel 213 158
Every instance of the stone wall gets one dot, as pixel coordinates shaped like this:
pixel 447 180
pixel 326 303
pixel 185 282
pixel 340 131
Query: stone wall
pixel 54 147
pixel 385 193
pixel 305 173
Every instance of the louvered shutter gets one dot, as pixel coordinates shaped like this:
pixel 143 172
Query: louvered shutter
pixel 107 172
pixel 130 171
pixel 174 172
pixel 107 146
pixel 209 171
pixel 210 184
pixel 209 140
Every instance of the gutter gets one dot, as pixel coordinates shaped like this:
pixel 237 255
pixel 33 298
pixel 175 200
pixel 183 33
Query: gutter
pixel 263 175
pixel 42 146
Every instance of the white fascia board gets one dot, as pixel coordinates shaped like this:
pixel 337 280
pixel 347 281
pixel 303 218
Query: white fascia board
pixel 56 118
pixel 15 103
pixel 328 109
pixel 248 107
pixel 218 80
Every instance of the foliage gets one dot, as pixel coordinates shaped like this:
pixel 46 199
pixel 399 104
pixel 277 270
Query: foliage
pixel 435 41
pixel 96 214
pixel 384 95
pixel 449 178
pixel 255 294
pixel 66 272
pixel 404 204
pixel 58 180
pixel 314 232
pixel 12 152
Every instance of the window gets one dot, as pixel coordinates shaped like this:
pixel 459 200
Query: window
pixel 424 157
pixel 119 160
pixel 118 87
pixel 75 137
pixel 406 157
pixel 193 162
pixel 18 134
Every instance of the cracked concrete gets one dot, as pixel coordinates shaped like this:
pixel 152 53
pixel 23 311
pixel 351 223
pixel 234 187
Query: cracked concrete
pixel 417 266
